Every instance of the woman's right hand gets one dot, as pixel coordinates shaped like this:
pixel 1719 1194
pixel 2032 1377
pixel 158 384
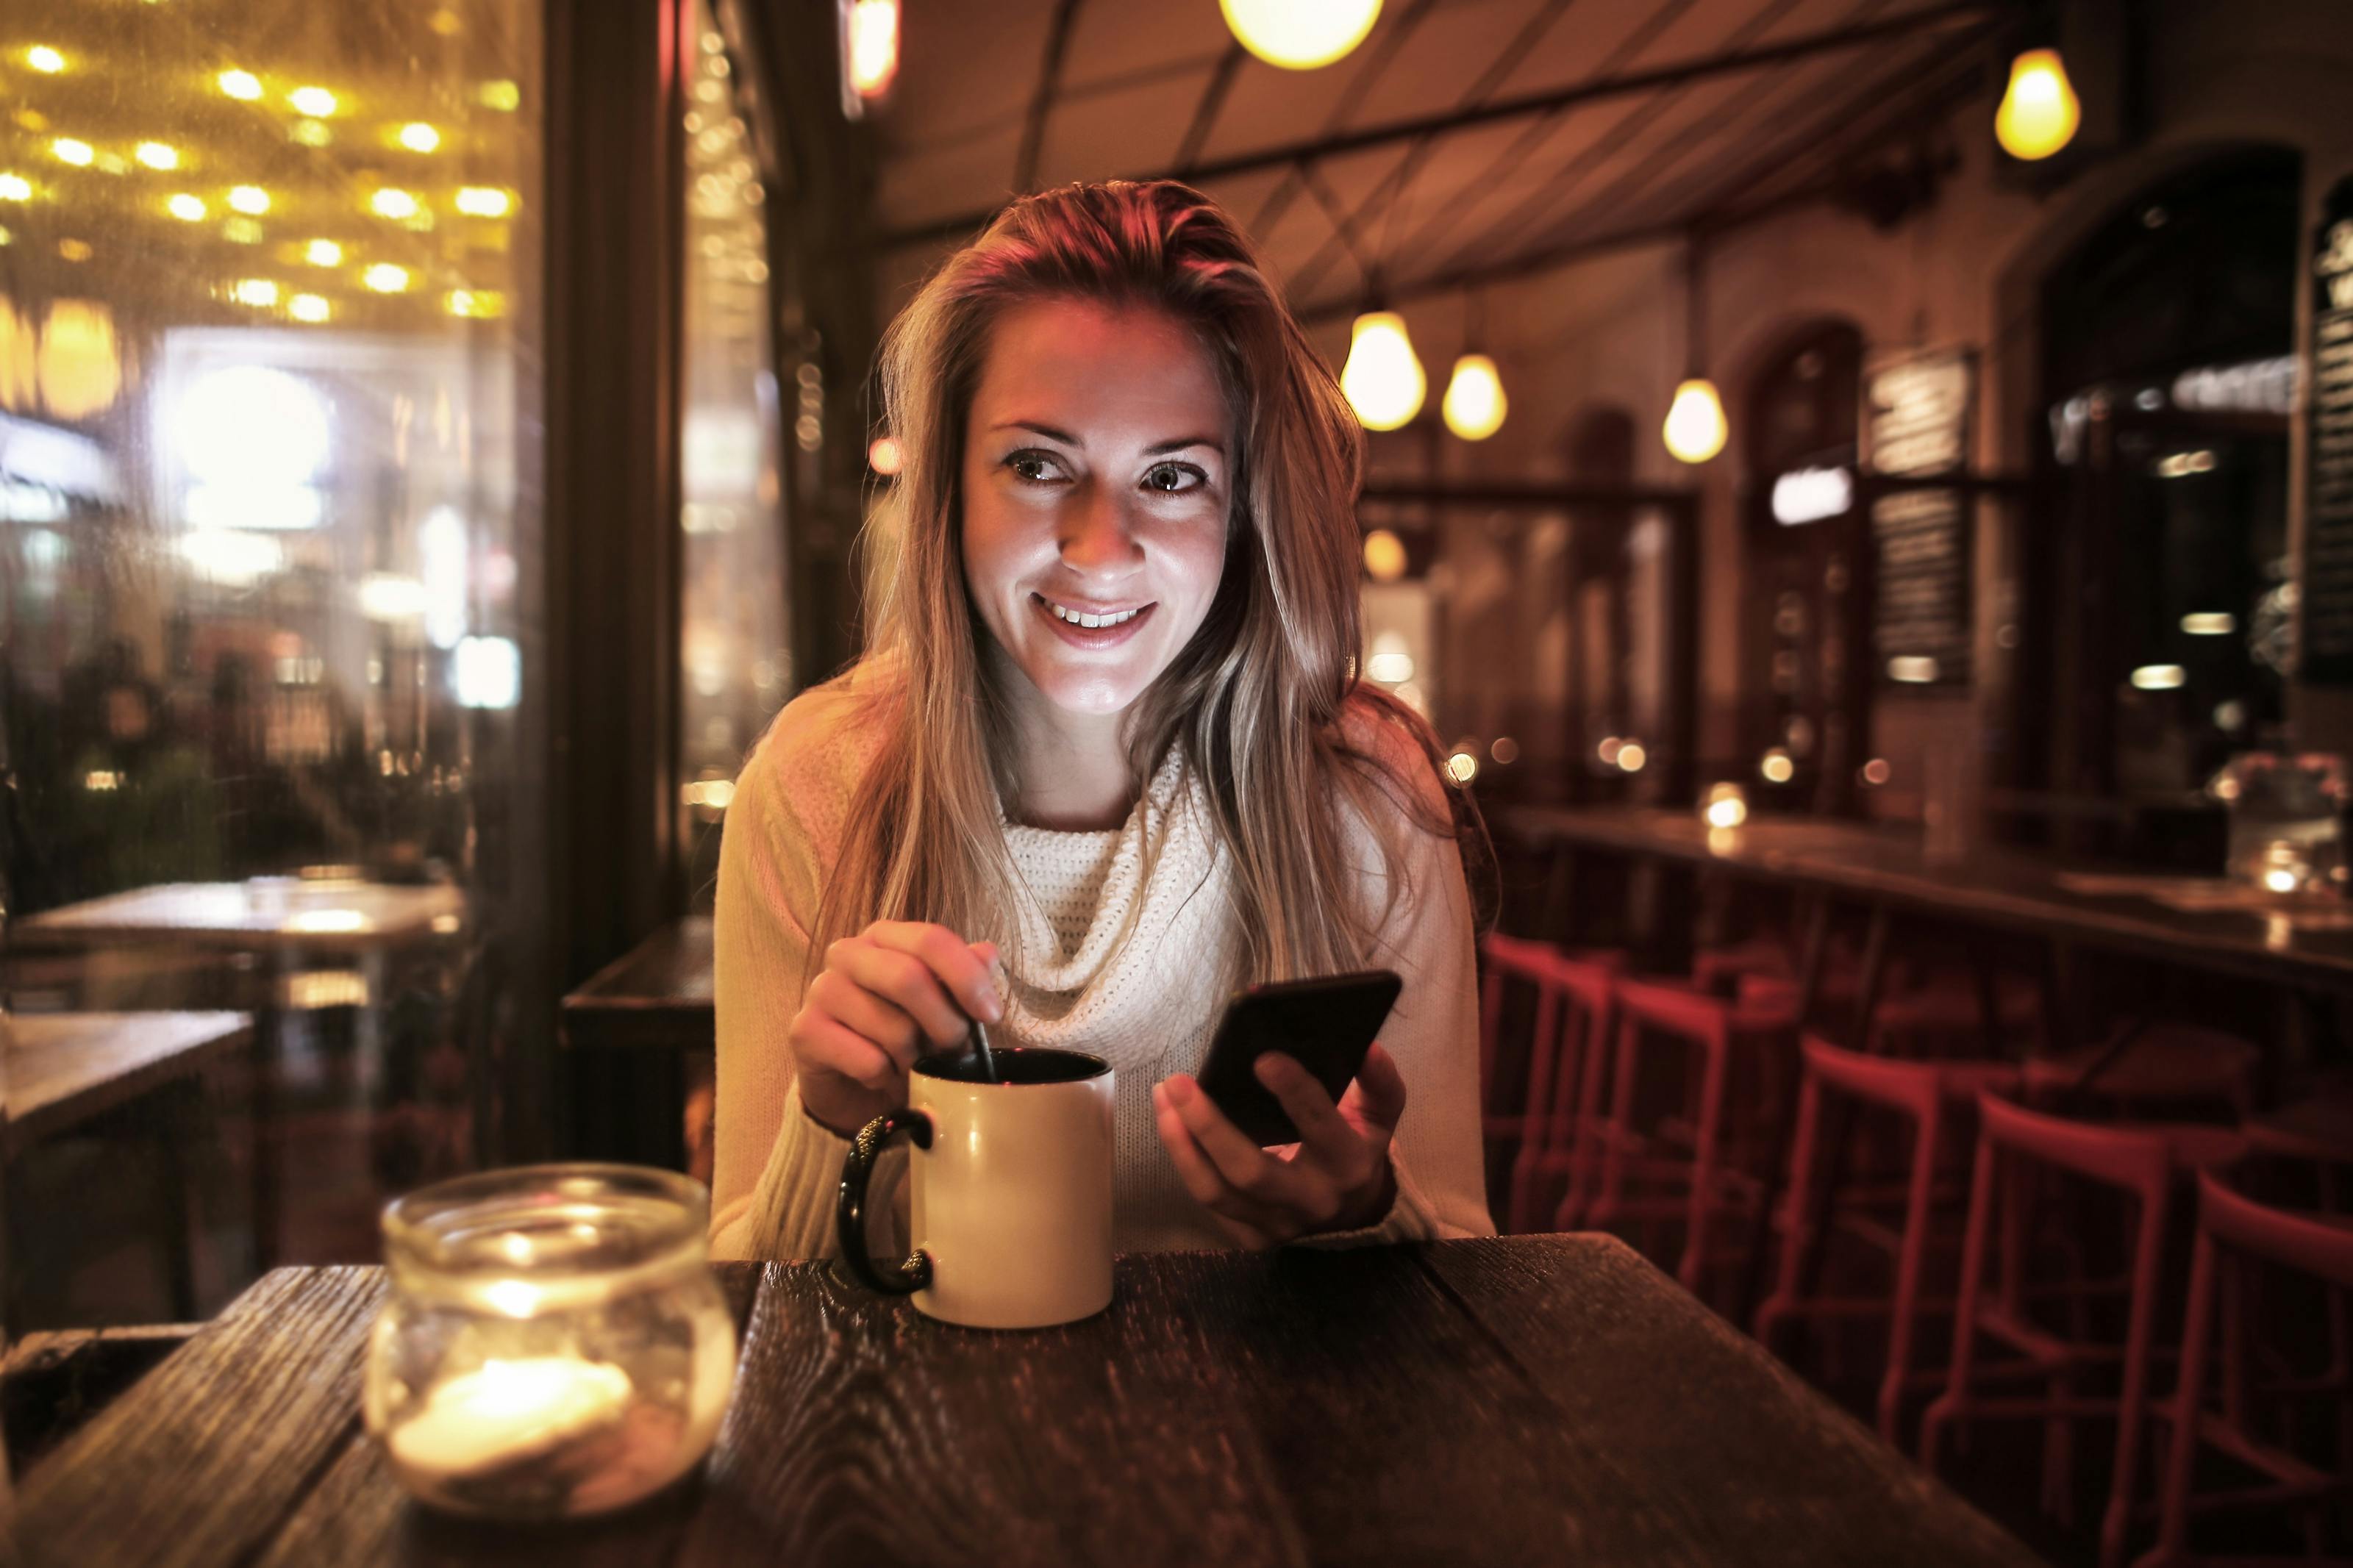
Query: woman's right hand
pixel 890 994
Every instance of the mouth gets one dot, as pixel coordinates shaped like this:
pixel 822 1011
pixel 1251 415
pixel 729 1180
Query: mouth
pixel 1091 626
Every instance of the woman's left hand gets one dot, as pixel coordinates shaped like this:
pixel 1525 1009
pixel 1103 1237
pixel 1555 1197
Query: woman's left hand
pixel 1336 1178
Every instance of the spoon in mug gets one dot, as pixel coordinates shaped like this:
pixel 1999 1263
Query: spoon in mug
pixel 980 1049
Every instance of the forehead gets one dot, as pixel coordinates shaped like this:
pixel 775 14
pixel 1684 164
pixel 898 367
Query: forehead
pixel 1080 363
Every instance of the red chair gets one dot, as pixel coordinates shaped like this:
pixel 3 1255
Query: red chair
pixel 1932 1096
pixel 2316 1245
pixel 1697 1160
pixel 1572 995
pixel 2141 1161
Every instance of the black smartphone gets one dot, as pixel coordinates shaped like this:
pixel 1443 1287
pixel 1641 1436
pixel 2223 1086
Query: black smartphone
pixel 1327 1024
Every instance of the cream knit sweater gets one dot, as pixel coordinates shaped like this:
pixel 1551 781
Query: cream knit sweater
pixel 1146 1003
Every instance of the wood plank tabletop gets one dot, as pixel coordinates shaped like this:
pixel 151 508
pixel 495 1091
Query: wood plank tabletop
pixel 1522 1400
pixel 2302 941
pixel 658 996
pixel 331 915
pixel 65 1068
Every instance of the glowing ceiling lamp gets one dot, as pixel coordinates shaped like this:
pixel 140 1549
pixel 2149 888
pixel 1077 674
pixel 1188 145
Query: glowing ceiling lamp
pixel 242 85
pixel 1694 429
pixel 1300 35
pixel 2039 113
pixel 869 53
pixel 1476 403
pixel 1384 381
pixel 419 136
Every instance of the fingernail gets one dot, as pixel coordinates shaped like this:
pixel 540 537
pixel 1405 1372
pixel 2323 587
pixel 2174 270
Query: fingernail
pixel 1273 1068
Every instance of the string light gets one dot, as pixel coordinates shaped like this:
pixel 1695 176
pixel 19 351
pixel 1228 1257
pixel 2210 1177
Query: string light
pixel 15 188
pixel 386 278
pixel 250 200
pixel 1299 37
pixel 393 203
pixel 158 155
pixel 2039 110
pixel 69 151
pixel 883 456
pixel 315 101
pixel 1475 404
pixel 241 85
pixel 255 291
pixel 45 59
pixel 419 136
pixel 1383 380
pixel 311 133
pixel 1385 556
pixel 186 207
pixel 502 96
pixel 478 304
pixel 310 308
pixel 485 201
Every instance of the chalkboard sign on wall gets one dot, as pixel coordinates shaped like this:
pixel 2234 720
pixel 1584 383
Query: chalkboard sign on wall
pixel 1918 411
pixel 2325 641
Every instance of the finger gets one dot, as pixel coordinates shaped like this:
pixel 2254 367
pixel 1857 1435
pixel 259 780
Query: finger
pixel 1248 1222
pixel 827 1046
pixel 1323 1132
pixel 950 959
pixel 903 980
pixel 1244 1165
pixel 860 1011
pixel 1378 1096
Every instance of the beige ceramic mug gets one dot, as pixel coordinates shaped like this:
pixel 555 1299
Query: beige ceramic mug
pixel 1010 1202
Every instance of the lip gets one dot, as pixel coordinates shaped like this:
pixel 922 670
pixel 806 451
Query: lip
pixel 1091 636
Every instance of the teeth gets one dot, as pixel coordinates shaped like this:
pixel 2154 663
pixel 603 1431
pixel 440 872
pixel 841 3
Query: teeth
pixel 1079 618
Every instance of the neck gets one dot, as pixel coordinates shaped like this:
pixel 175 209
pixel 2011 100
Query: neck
pixel 1070 770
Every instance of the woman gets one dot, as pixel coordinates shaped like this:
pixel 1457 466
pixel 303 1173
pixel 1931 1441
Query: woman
pixel 1105 759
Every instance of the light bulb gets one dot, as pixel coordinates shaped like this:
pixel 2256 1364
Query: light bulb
pixel 1694 428
pixel 315 101
pixel 873 47
pixel 2039 114
pixel 1384 381
pixel 250 200
pixel 393 203
pixel 324 253
pixel 158 155
pixel 1300 35
pixel 419 136
pixel 238 84
pixel 186 207
pixel 1475 404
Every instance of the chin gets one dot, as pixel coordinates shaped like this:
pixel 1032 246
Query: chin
pixel 1094 695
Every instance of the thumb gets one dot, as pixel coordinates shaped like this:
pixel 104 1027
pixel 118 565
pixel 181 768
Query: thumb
pixel 987 952
pixel 1378 1096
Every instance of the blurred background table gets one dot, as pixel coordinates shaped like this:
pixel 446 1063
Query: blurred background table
pixel 1524 1400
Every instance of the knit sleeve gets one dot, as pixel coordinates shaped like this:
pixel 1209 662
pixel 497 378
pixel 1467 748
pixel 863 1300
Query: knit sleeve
pixel 1415 874
pixel 774 1171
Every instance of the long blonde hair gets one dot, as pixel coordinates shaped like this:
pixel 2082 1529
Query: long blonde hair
pixel 1253 700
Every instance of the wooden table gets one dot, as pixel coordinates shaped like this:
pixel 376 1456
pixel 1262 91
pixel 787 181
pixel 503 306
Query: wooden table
pixel 1888 869
pixel 1536 1399
pixel 656 997
pixel 283 920
pixel 66 1069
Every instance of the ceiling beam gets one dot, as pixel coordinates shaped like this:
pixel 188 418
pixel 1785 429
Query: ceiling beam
pixel 1042 103
pixel 1937 18
pixel 1204 112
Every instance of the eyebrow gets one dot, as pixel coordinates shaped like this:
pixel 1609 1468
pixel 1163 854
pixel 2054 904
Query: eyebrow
pixel 1067 439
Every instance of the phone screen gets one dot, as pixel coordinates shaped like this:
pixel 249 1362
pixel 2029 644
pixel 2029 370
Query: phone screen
pixel 1327 1023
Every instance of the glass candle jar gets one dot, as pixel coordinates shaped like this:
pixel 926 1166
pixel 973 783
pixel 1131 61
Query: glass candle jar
pixel 555 1343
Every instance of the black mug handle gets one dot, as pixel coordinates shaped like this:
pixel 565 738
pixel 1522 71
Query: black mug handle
pixel 849 1219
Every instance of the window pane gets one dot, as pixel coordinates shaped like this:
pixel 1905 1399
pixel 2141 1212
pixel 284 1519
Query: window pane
pixel 735 657
pixel 265 449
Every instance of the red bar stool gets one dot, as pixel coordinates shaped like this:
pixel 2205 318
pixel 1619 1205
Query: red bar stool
pixel 1564 1087
pixel 2319 1245
pixel 1698 1163
pixel 1572 997
pixel 2141 1161
pixel 1933 1096
pixel 2164 1065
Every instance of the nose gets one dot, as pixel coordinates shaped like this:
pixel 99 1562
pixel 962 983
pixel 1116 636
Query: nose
pixel 1096 536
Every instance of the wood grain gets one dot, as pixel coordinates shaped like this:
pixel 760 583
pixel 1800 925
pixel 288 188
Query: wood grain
pixel 1753 1466
pixel 67 1068
pixel 863 1433
pixel 200 1462
pixel 1525 1400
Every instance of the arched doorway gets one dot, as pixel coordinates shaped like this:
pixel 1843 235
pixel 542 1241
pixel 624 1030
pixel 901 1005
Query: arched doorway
pixel 2157 591
pixel 1804 689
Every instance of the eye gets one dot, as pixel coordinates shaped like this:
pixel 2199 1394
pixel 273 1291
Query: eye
pixel 1034 466
pixel 1174 478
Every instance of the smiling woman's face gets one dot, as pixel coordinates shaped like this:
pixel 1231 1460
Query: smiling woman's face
pixel 1095 491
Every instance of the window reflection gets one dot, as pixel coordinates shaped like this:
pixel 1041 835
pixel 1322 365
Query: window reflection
pixel 260 465
pixel 735 657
